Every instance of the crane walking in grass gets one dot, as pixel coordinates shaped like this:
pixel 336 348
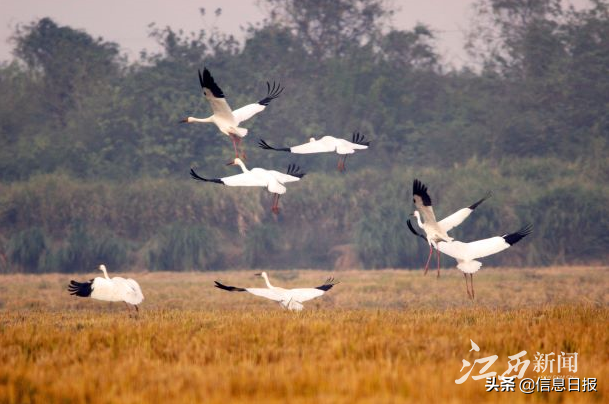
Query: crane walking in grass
pixel 223 117
pixel 436 231
pixel 115 289
pixel 325 145
pixel 290 299
pixel 466 254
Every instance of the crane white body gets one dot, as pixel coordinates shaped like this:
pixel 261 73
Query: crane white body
pixel 272 180
pixel 223 116
pixel 290 299
pixel 108 289
pixel 436 231
pixel 467 254
pixel 326 144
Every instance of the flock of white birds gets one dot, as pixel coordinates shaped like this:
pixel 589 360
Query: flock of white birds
pixel 118 289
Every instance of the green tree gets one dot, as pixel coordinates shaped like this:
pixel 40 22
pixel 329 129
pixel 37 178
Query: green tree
pixel 69 62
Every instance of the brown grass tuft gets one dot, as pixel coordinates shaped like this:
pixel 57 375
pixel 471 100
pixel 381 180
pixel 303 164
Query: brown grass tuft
pixel 378 336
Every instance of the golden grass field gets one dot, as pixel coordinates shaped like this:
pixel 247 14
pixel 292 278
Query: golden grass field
pixel 379 336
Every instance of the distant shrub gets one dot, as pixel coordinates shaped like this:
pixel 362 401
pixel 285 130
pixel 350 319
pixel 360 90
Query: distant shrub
pixel 85 249
pixel 181 247
pixel 261 244
pixel 382 237
pixel 26 249
pixel 571 223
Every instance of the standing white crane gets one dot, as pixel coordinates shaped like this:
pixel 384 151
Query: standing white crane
pixel 324 145
pixel 223 117
pixel 290 299
pixel 467 253
pixel 258 177
pixel 436 231
pixel 116 289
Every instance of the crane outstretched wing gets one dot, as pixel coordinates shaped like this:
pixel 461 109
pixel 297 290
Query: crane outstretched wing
pixel 293 174
pixel 304 294
pixel 197 177
pixel 246 112
pixel 422 201
pixel 360 139
pixel 409 223
pixel 483 248
pixel 245 180
pixel 215 96
pixel 80 289
pixel 454 220
pixel 262 292
pixel 316 146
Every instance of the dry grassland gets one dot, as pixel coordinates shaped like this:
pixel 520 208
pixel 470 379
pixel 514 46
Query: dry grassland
pixel 378 336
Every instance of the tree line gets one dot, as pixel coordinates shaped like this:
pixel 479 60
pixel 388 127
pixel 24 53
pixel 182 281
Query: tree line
pixel 94 165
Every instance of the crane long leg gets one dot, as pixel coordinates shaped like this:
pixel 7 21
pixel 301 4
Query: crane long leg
pixel 234 139
pixel 341 162
pixel 243 156
pixel 471 280
pixel 275 207
pixel 128 309
pixel 428 259
pixel 467 285
pixel 438 251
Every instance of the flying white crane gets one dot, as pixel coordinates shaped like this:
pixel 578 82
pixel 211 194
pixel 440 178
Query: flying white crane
pixel 116 289
pixel 290 299
pixel 258 177
pixel 436 231
pixel 325 144
pixel 225 119
pixel 467 253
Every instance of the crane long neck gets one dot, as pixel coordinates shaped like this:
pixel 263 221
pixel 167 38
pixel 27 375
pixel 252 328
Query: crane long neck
pixel 266 279
pixel 201 120
pixel 419 222
pixel 244 169
pixel 105 273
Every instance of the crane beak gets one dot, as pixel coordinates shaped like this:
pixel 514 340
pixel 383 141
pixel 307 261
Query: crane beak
pixel 232 163
pixel 412 214
pixel 185 120
pixel 258 274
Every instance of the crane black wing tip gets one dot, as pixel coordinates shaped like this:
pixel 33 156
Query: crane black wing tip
pixel 80 289
pixel 328 284
pixel 271 93
pixel 420 189
pixel 513 238
pixel 411 227
pixel 264 145
pixel 294 171
pixel 358 138
pixel 476 204
pixel 228 288
pixel 207 81
pixel 201 77
pixel 197 177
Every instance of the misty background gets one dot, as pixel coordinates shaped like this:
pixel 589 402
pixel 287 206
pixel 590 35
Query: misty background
pixel 94 165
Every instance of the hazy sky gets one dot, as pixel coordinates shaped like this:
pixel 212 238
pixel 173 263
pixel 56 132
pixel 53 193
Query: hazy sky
pixel 126 21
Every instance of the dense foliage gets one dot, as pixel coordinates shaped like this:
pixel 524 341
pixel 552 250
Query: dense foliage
pixel 94 165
